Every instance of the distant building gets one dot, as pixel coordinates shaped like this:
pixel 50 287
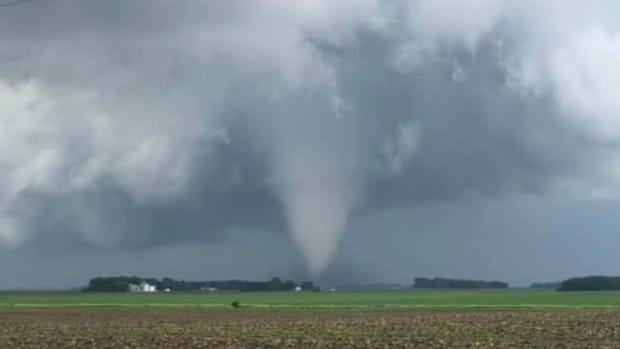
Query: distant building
pixel 298 289
pixel 143 287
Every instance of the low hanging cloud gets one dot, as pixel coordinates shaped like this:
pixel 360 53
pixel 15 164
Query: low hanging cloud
pixel 131 124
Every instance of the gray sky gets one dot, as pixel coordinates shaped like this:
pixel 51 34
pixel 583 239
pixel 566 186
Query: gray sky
pixel 343 141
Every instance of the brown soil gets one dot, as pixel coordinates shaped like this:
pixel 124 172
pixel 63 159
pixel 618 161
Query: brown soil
pixel 245 328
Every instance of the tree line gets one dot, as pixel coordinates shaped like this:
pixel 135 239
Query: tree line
pixel 585 283
pixel 591 283
pixel 441 283
pixel 121 284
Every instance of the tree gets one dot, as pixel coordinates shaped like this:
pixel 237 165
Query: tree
pixel 439 283
pixel 591 283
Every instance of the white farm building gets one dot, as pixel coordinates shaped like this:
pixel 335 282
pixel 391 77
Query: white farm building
pixel 143 287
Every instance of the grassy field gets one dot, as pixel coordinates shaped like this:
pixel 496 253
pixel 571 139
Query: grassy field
pixel 344 299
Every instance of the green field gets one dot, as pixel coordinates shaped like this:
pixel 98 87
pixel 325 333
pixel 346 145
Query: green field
pixel 340 299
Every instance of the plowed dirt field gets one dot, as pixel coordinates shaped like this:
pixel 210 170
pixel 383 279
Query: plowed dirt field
pixel 263 328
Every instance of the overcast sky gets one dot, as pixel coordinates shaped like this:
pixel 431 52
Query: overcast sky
pixel 335 140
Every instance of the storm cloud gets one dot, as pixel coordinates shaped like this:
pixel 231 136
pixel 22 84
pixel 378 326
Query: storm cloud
pixel 136 125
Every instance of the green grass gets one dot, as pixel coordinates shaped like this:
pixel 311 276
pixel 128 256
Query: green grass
pixel 344 299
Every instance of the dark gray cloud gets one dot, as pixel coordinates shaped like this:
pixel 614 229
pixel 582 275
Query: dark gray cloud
pixel 148 130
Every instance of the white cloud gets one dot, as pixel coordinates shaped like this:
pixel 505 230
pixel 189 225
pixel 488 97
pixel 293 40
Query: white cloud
pixel 400 150
pixel 585 77
pixel 459 22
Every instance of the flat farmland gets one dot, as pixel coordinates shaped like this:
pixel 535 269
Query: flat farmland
pixel 306 328
pixel 386 319
pixel 330 300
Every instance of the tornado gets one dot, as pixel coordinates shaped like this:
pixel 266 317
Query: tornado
pixel 317 200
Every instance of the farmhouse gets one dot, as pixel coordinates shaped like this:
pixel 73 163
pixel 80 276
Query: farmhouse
pixel 143 287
